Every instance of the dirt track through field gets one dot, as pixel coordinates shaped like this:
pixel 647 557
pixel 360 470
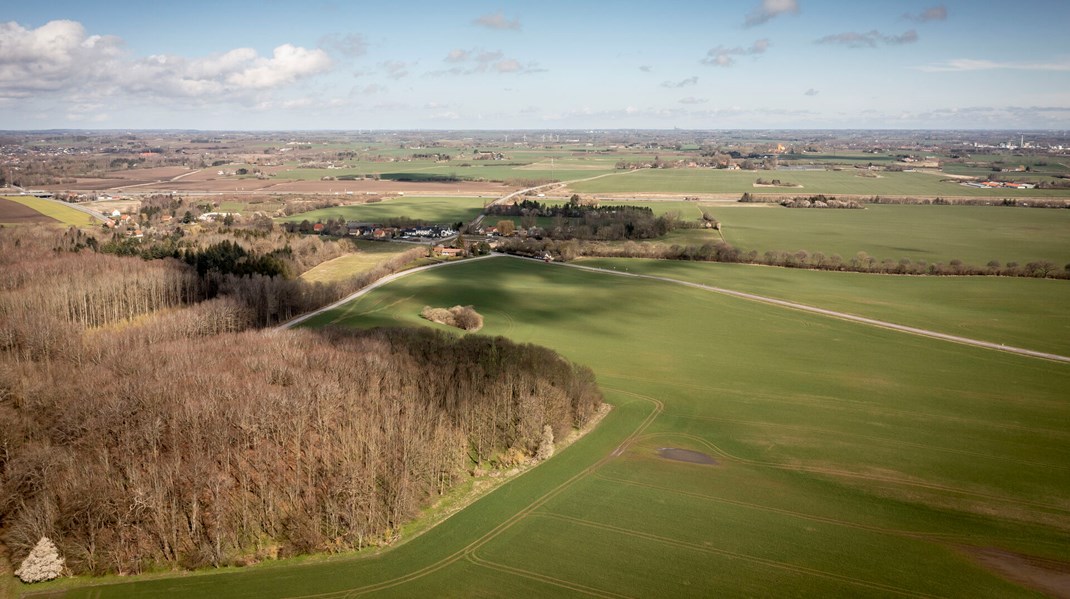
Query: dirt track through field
pixel 833 313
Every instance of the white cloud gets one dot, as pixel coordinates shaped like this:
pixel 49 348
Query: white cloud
pixel 54 56
pixel 471 62
pixel 287 64
pixel 870 39
pixel 60 57
pixel 969 64
pixel 646 68
pixel 935 13
pixel 811 92
pixel 693 100
pixel 769 9
pixel 350 45
pixel 396 69
pixel 726 57
pixel 681 83
pixel 497 21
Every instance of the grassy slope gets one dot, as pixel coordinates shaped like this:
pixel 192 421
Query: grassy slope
pixel 435 210
pixel 1027 313
pixel 973 234
pixel 851 459
pixel 343 267
pixel 63 214
pixel 829 182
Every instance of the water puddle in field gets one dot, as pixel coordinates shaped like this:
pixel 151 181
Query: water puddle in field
pixel 685 455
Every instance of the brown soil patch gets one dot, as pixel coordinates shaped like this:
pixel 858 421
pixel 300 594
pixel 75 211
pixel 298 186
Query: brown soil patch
pixel 685 455
pixel 1051 577
pixel 17 214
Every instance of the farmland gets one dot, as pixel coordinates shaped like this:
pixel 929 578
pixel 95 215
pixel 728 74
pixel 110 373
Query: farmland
pixel 973 234
pixel 846 182
pixel 429 209
pixel 1019 312
pixel 48 211
pixel 873 462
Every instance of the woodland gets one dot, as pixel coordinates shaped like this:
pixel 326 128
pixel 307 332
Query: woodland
pixel 148 422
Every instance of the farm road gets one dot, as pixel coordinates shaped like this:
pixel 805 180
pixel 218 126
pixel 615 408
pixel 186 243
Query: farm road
pixel 834 314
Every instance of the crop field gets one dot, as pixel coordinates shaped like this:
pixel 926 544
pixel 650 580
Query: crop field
pixel 15 213
pixel 751 448
pixel 1020 312
pixel 428 209
pixel 370 254
pixel 973 234
pixel 847 182
pixel 53 211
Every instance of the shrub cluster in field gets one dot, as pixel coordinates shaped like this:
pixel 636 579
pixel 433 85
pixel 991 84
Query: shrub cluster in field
pixel 176 439
pixel 462 317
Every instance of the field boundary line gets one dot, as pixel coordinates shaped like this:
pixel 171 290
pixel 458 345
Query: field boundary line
pixel 740 556
pixel 831 313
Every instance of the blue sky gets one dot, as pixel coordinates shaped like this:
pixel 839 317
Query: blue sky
pixel 535 65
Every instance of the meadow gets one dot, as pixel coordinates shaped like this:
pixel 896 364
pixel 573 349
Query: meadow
pixel 368 256
pixel 428 209
pixel 846 182
pixel 973 234
pixel 846 459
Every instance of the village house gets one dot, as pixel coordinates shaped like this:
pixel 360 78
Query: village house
pixel 445 252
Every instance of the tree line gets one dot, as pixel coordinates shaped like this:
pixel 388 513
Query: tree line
pixel 723 252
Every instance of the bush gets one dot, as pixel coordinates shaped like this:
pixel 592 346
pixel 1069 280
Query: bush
pixel 43 563
pixel 462 317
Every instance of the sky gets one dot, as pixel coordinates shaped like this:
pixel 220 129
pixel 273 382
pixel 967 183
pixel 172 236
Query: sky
pixel 549 64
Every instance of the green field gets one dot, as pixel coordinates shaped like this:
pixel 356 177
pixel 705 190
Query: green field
pixel 973 234
pixel 1020 312
pixel 63 214
pixel 710 181
pixel 433 210
pixel 850 460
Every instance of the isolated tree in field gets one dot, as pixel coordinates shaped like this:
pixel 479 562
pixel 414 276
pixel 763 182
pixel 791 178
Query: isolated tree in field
pixel 506 227
pixel 43 563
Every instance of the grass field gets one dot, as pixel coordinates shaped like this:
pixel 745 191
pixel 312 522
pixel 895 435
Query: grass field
pixel 1027 313
pixel 850 460
pixel 973 234
pixel 54 210
pixel 710 181
pixel 433 210
pixel 371 253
